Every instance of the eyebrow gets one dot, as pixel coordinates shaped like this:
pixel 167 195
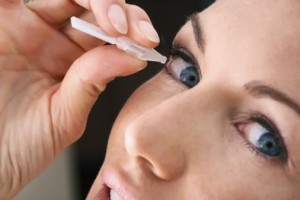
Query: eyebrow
pixel 257 89
pixel 197 30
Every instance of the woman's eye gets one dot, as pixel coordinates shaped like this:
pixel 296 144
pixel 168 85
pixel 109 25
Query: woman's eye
pixel 181 68
pixel 263 138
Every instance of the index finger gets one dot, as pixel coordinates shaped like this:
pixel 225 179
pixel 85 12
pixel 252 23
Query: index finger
pixel 111 15
pixel 116 18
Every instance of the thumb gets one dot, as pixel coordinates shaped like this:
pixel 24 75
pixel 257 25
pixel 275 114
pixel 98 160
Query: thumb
pixel 79 90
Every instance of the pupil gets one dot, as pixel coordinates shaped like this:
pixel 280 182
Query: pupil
pixel 269 144
pixel 189 76
pixel 192 78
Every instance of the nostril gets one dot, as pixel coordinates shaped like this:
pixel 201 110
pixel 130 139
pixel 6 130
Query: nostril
pixel 154 151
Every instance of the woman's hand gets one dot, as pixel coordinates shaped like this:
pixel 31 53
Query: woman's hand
pixel 51 75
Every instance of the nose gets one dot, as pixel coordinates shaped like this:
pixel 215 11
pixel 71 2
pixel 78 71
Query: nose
pixel 178 132
pixel 154 143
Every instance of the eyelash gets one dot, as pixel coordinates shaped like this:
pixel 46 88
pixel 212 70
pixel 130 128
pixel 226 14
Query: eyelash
pixel 264 122
pixel 176 51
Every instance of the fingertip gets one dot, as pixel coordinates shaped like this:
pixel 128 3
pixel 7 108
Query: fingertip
pixel 140 27
pixel 117 17
pixel 139 66
pixel 111 16
pixel 147 29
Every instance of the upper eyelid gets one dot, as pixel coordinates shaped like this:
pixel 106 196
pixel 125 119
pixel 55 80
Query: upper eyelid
pixel 176 45
pixel 186 56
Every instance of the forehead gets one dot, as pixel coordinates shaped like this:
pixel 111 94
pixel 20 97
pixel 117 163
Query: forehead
pixel 258 39
pixel 272 24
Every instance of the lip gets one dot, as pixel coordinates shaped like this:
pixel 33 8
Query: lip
pixel 112 182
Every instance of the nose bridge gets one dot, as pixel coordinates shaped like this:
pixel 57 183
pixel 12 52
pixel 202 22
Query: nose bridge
pixel 162 136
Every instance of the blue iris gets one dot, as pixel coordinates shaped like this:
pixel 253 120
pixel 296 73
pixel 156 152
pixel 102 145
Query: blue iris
pixel 269 144
pixel 189 76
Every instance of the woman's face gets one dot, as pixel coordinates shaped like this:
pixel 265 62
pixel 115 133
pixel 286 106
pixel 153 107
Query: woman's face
pixel 233 135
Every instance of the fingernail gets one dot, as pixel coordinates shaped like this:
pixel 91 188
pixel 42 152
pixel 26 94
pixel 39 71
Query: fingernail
pixel 145 65
pixel 148 30
pixel 117 18
pixel 142 67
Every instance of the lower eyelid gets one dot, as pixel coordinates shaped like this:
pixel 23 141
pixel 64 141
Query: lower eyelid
pixel 172 80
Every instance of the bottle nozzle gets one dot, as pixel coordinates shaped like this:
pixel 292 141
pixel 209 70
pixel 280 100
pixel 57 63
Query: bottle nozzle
pixel 124 43
pixel 139 51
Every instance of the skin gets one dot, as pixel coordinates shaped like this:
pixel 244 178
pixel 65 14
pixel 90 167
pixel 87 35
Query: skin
pixel 171 142
pixel 50 77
